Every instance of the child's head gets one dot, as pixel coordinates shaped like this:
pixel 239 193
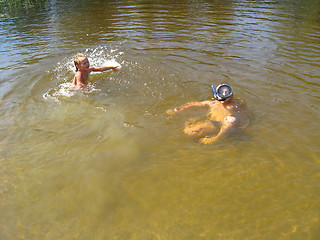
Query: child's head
pixel 78 59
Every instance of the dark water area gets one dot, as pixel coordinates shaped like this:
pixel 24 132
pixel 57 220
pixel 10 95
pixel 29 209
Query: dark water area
pixel 108 163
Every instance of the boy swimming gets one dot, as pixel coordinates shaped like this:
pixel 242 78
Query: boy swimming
pixel 83 70
pixel 225 115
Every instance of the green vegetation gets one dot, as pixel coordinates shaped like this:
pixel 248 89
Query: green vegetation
pixel 13 7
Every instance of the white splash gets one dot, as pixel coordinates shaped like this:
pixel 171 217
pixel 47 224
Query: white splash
pixel 67 90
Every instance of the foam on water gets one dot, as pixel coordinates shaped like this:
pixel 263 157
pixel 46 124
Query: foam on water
pixel 67 90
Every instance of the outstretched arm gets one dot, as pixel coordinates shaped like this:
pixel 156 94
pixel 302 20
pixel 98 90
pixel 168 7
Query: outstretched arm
pixel 105 68
pixel 187 106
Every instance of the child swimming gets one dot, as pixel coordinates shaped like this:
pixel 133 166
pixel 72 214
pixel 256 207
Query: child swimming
pixel 225 115
pixel 83 70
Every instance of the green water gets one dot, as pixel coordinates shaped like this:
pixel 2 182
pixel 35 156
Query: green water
pixel 109 164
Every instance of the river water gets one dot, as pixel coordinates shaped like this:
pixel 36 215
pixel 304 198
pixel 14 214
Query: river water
pixel 107 163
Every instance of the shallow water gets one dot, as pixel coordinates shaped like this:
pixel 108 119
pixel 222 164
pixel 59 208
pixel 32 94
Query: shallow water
pixel 107 163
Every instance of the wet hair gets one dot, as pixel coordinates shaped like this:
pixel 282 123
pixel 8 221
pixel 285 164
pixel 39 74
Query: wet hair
pixel 77 60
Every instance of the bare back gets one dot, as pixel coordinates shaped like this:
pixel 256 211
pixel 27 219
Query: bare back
pixel 221 111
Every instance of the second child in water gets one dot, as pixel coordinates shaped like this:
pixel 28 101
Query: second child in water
pixel 225 115
pixel 83 70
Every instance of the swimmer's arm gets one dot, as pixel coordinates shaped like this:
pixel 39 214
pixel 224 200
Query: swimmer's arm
pixel 102 69
pixel 186 106
pixel 210 140
pixel 224 130
pixel 74 81
pixel 80 85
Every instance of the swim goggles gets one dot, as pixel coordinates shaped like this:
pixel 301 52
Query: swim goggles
pixel 222 92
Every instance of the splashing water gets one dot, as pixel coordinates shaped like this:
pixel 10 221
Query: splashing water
pixel 67 90
pixel 100 56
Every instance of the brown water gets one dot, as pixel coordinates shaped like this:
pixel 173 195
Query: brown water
pixel 108 163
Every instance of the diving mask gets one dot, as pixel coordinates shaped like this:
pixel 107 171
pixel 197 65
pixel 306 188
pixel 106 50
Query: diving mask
pixel 222 91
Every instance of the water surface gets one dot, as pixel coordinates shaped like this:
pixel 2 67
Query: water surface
pixel 108 164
